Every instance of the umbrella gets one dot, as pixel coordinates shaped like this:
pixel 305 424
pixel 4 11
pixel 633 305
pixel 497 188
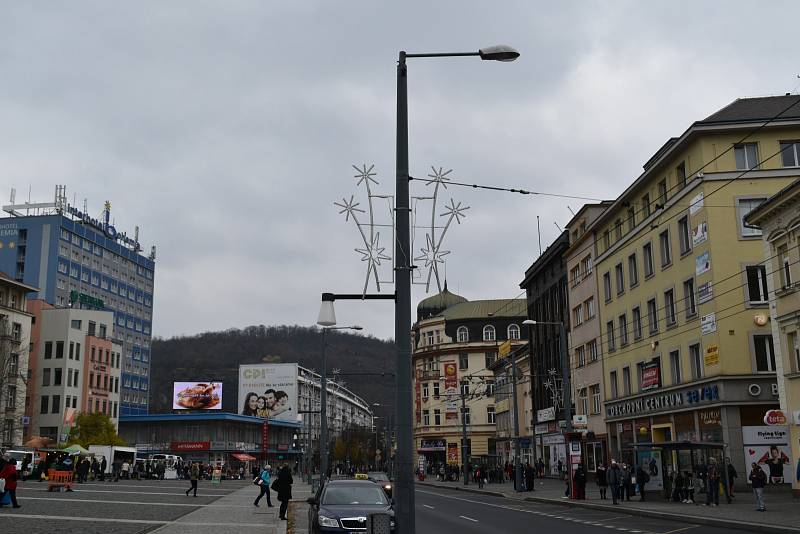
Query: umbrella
pixel 77 449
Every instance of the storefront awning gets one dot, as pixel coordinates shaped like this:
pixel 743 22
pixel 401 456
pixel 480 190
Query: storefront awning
pixel 243 457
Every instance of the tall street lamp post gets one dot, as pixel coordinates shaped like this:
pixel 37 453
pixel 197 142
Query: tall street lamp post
pixel 327 320
pixel 404 486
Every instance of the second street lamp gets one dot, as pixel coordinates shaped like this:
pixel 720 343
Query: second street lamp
pixel 404 487
pixel 327 320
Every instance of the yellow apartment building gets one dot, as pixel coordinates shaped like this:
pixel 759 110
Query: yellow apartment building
pixel 688 354
pixel 779 220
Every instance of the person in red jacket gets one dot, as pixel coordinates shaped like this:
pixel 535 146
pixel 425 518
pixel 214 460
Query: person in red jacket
pixel 8 471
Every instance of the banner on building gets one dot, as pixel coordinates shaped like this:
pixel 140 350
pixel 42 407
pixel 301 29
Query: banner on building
pixel 418 396
pixel 504 349
pixel 452 453
pixel 702 263
pixel 196 396
pixel 268 391
pixel 700 234
pixel 712 355
pixel 705 292
pixel 451 390
pixel 651 376
pixel 696 204
pixel 775 460
pixel 708 324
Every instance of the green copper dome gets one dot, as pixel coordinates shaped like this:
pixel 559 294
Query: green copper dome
pixel 436 304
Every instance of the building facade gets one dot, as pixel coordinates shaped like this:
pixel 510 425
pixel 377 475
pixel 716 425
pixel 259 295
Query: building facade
pixel 75 368
pixel 688 355
pixel 545 286
pixel 455 343
pixel 505 417
pixel 15 336
pixel 584 340
pixel 78 261
pixel 779 220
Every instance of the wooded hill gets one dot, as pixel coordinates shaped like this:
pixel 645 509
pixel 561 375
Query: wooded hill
pixel 217 355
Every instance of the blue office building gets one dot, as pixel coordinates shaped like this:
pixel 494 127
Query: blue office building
pixel 80 261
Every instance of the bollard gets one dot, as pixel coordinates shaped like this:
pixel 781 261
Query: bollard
pixel 379 524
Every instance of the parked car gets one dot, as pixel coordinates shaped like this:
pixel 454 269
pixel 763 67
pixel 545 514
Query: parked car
pixel 343 506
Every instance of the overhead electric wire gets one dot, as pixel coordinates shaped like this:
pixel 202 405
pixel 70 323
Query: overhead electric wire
pixel 508 189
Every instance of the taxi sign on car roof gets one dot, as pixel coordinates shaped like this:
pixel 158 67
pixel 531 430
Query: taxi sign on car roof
pixel 361 476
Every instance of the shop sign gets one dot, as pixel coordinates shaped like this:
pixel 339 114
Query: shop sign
pixel 553 439
pixel 429 374
pixel 696 204
pixel 501 406
pixel 540 428
pixel 706 393
pixel 775 417
pixel 705 292
pixel 452 453
pixel 765 435
pixel 708 324
pixel 651 376
pixel 712 355
pixel 283 446
pixel 504 349
pixel 580 421
pixel 431 445
pixel 547 414
pixel 645 405
pixel 189 446
pixel 219 445
pixel 525 443
pixel 710 417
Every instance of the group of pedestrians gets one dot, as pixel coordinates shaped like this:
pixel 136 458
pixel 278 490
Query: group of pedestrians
pixel 282 485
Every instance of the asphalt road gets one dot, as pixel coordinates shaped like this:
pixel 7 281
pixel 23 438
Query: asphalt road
pixel 124 507
pixel 440 510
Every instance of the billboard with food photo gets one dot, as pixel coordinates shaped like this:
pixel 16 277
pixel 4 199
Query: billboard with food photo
pixel 196 396
pixel 268 390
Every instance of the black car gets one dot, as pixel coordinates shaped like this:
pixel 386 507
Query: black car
pixel 383 480
pixel 343 506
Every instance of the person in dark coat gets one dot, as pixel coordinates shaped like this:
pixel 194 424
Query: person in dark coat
pixel 283 486
pixel 732 474
pixel 580 483
pixel 758 478
pixel 642 478
pixel 103 467
pixel 530 476
pixel 602 481
pixel 194 475
pixel 614 478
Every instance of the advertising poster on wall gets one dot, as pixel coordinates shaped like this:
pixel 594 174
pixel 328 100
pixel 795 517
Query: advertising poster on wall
pixel 700 234
pixel 196 396
pixel 775 460
pixel 702 263
pixel 451 390
pixel 651 463
pixel 696 204
pixel 651 376
pixel 452 453
pixel 705 292
pixel 708 324
pixel 268 390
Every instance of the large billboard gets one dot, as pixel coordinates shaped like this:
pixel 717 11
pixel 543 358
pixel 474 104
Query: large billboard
pixel 196 396
pixel 268 390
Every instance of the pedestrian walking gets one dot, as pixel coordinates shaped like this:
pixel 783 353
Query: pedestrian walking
pixel 283 486
pixel 580 483
pixel 642 478
pixel 194 475
pixel 712 477
pixel 530 477
pixel 8 474
pixel 103 467
pixel 602 481
pixel 758 478
pixel 125 471
pixel 614 478
pixel 732 474
pixel 262 481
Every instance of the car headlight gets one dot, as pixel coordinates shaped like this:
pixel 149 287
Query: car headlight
pixel 327 521
pixel 388 486
pixel 391 523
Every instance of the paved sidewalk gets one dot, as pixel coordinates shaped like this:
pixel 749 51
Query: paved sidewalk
pixel 782 515
pixel 298 508
pixel 233 513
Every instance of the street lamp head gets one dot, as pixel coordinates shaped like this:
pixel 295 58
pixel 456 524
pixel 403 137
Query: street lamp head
pixel 498 53
pixel 327 316
pixel 356 327
pixel 529 322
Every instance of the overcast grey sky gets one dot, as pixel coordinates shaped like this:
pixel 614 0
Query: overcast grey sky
pixel 226 130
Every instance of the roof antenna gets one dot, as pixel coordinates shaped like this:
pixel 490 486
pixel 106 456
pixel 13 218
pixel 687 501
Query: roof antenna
pixel 557 226
pixel 570 210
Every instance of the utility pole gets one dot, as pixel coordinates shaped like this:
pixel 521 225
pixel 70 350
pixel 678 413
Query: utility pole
pixel 517 461
pixel 464 446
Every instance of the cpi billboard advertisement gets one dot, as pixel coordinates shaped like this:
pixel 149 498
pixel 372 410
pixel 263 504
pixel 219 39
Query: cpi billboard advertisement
pixel 268 390
pixel 196 396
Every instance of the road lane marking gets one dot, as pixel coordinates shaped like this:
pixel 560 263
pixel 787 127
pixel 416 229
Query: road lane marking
pixel 428 506
pixel 135 521
pixel 138 502
pixel 469 519
pixel 679 529
pixel 79 490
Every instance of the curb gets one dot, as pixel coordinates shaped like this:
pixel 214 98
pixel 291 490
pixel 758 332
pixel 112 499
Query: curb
pixel 699 520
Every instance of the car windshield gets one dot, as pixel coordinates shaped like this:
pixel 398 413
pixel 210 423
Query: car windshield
pixel 379 476
pixel 367 494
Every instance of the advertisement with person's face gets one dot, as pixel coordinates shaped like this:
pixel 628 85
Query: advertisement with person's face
pixel 775 460
pixel 268 390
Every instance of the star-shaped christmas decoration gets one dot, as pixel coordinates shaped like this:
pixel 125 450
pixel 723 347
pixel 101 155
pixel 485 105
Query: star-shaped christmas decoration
pixel 365 175
pixel 350 207
pixel 439 177
pixel 455 211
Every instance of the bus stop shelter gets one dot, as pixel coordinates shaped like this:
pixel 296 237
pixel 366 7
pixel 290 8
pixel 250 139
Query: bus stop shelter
pixel 698 450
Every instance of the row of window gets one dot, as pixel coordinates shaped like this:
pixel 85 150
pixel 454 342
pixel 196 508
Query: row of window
pixel 489 333
pixel 88 246
pixel 579 273
pixel 12 299
pixel 746 155
pixel 764 363
pixel 589 349
pixel 584 394
pixel 106 283
pixel 465 418
pixel 98 266
pixel 434 388
pixel 110 303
